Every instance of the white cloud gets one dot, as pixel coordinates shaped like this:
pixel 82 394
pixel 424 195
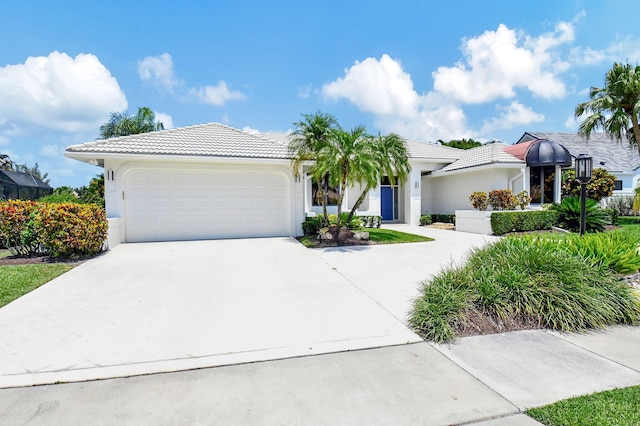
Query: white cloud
pixel 497 63
pixel 587 56
pixel 58 92
pixel 216 95
pixel 51 151
pixel 305 91
pixel 165 119
pixel 159 70
pixel 571 123
pixel 378 86
pixel 513 115
pixel 251 130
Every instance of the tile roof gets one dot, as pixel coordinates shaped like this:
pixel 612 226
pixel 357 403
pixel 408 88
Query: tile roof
pixel 432 151
pixel 616 156
pixel 209 140
pixel 491 153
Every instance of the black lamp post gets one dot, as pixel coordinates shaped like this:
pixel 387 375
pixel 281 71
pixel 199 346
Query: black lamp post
pixel 584 168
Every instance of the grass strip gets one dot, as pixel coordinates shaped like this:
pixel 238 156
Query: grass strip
pixel 619 407
pixel 18 280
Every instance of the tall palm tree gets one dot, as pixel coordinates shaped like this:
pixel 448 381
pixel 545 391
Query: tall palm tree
pixel 123 124
pixel 614 108
pixel 391 159
pixel 308 138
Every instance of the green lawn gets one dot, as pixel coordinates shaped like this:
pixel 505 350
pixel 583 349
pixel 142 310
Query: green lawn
pixel 620 407
pixel 377 235
pixel 18 280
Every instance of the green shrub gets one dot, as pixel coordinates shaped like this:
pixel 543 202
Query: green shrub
pixel 611 216
pixel 601 185
pixel 311 226
pixel 17 227
pixel 615 250
pixel 63 194
pixel 523 199
pixel 569 211
pixel 623 204
pixel 356 223
pixel 444 218
pixel 371 221
pixel 528 280
pixel 425 219
pixel 70 229
pixel 532 220
pixel 629 220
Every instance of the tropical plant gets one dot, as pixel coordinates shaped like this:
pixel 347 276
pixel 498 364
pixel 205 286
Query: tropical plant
pixel 522 282
pixel 569 212
pixel 601 185
pixel 62 194
pixel 502 199
pixel 479 200
pixel 123 124
pixel 614 108
pixel 339 158
pixel 389 157
pixel 5 162
pixel 523 199
pixel 94 192
pixel 461 143
pixel 308 138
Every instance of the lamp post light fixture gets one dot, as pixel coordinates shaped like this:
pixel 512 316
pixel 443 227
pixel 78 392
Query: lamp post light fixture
pixel 584 169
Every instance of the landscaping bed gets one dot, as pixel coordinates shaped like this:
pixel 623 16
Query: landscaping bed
pixel 376 236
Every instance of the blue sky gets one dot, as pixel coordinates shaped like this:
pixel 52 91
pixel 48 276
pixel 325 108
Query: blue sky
pixel 424 69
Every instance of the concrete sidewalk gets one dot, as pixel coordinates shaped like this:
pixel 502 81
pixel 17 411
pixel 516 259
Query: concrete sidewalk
pixel 484 380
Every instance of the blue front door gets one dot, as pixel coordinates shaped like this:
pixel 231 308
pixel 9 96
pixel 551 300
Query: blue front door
pixel 387 202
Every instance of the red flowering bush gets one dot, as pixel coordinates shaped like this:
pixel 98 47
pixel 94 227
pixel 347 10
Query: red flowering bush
pixel 17 227
pixel 58 229
pixel 502 199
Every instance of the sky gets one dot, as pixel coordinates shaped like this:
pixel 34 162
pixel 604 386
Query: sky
pixel 427 70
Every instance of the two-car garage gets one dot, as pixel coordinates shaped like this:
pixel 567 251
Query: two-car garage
pixel 199 202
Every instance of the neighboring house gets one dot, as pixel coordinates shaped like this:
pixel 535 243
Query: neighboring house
pixel 212 181
pixel 618 158
pixel 22 186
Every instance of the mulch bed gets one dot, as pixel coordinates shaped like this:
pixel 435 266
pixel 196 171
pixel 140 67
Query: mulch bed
pixel 31 260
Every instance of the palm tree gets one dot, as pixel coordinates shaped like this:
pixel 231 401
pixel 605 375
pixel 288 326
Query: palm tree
pixel 5 162
pixel 391 159
pixel 620 97
pixel 123 124
pixel 306 141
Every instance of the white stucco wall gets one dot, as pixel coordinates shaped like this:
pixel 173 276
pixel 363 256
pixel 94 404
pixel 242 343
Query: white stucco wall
pixel 450 192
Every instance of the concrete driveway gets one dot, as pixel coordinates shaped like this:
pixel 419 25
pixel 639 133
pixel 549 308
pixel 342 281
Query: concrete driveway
pixel 158 307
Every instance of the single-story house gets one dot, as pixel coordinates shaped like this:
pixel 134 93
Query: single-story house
pixel 22 186
pixel 213 181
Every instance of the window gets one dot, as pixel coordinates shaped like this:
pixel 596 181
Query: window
pixel 541 181
pixel 316 195
pixel 617 185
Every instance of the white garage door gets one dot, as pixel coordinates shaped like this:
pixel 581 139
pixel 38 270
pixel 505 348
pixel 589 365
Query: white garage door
pixel 164 205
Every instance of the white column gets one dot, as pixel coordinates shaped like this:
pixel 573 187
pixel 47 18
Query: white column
pixel 413 197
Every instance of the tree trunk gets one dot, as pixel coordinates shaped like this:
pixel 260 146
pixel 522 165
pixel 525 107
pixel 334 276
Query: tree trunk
pixel 325 197
pixel 636 129
pixel 357 204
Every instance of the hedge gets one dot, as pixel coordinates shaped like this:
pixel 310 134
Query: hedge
pixel 533 220
pixel 58 230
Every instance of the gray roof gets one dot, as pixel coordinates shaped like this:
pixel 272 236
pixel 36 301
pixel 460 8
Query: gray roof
pixel 491 153
pixel 209 140
pixel 616 156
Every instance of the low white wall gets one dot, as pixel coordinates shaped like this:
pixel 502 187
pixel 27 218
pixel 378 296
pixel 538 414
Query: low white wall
pixel 474 221
pixel 114 234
